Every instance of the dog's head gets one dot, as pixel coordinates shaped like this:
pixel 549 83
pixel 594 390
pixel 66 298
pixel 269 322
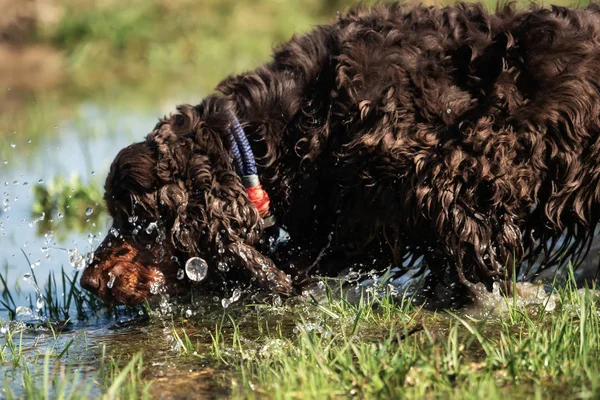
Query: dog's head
pixel 175 196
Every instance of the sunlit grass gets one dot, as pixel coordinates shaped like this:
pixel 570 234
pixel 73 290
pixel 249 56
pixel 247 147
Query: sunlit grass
pixel 323 346
pixel 384 349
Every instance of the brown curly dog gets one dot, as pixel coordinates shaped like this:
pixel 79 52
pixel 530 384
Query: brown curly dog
pixel 466 141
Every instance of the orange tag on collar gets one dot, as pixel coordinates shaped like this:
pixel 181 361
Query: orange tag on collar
pixel 260 198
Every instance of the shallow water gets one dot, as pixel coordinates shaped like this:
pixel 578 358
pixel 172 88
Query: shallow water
pixel 67 152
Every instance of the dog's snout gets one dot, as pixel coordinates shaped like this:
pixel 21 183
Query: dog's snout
pixel 90 282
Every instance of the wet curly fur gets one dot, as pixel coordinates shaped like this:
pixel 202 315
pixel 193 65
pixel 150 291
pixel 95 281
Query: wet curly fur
pixel 465 140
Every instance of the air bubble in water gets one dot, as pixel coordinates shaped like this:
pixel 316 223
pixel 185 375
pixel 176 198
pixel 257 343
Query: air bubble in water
pixel 89 211
pixel 196 269
pixel 111 280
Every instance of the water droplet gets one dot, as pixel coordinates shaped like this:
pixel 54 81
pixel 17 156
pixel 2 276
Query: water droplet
pixel 59 215
pixel 111 280
pixel 13 145
pixel 49 236
pixel 41 181
pixel 27 277
pixel 39 304
pixel 5 162
pixel 25 184
pixel 151 227
pixel 196 269
pixel 222 266
pixel 154 287
pixel 93 172
pixel 180 274
pixel 89 211
pixel 23 310
pixel 188 313
pixel 76 260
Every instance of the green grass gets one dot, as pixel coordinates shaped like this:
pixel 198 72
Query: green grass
pixel 318 346
pixel 41 352
pixel 384 349
pixel 50 374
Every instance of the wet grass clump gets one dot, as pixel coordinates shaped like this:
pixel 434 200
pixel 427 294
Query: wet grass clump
pixel 386 348
pixel 359 342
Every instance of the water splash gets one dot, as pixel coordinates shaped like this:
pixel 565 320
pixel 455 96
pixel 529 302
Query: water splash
pixel 237 293
pixel 76 259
